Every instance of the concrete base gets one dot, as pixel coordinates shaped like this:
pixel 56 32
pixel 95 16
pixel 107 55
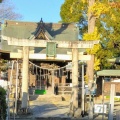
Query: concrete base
pixel 77 113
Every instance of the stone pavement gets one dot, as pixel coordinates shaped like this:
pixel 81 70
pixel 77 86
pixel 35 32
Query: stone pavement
pixel 51 107
pixel 57 110
pixel 45 109
pixel 48 109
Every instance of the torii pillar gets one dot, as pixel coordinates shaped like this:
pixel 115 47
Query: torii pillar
pixel 75 77
pixel 25 76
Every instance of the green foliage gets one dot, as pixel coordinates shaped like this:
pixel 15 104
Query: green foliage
pixel 3 105
pixel 110 38
pixel 115 98
pixel 70 11
pixel 3 65
pixel 75 11
pixel 107 24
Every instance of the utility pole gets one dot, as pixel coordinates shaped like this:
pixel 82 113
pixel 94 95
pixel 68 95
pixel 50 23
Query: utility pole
pixel 90 63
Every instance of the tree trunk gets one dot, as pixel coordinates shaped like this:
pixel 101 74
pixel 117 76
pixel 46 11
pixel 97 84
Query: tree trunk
pixel 90 63
pixel 91 18
pixel 91 26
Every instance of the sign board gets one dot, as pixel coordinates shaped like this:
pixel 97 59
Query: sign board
pixel 98 108
pixel 51 49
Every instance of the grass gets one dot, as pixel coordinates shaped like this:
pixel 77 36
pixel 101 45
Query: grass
pixel 40 92
pixel 115 98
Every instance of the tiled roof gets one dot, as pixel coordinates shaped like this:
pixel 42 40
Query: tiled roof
pixel 64 31
pixel 28 30
pixel 108 73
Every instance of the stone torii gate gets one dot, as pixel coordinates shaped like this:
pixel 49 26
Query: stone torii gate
pixel 26 44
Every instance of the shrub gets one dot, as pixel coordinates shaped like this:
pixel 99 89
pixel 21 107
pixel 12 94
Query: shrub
pixel 3 105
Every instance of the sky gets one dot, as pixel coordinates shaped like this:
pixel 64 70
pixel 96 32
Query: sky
pixel 34 10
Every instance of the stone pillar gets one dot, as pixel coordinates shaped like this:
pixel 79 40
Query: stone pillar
pixel 75 77
pixel 90 71
pixel 25 77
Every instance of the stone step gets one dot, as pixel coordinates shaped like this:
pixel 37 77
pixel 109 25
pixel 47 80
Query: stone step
pixel 41 118
pixel 52 118
pixel 21 117
pixel 45 98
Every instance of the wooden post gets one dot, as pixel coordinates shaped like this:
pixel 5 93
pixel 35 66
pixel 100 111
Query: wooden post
pixel 75 77
pixel 112 93
pixel 103 97
pixel 25 77
pixel 53 84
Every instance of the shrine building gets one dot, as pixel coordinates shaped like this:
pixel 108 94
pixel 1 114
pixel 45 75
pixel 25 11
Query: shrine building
pixel 49 57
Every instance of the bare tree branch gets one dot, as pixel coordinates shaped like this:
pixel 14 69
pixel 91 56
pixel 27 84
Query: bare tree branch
pixel 7 11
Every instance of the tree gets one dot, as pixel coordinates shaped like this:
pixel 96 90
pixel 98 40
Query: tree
pixel 3 105
pixel 79 10
pixel 103 25
pixel 106 15
pixel 70 11
pixel 74 11
pixel 1 1
pixel 7 11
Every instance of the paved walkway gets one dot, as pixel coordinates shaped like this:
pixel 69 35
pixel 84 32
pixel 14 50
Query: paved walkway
pixel 42 110
pixel 51 106
pixel 48 109
pixel 55 108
